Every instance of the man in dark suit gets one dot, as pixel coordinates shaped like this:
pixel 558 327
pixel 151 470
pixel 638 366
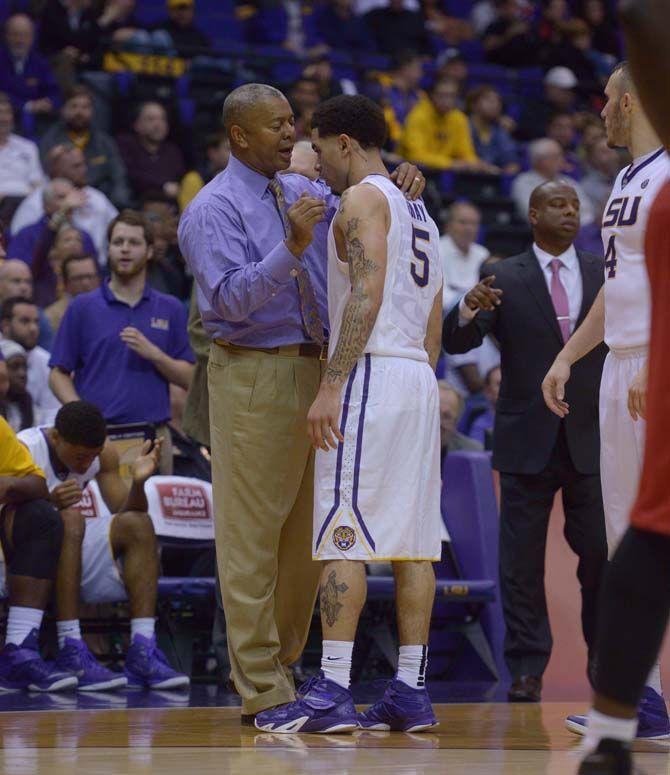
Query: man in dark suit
pixel 24 75
pixel 540 297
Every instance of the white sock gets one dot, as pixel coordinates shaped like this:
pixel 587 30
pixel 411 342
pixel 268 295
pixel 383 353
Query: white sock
pixel 68 629
pixel 20 623
pixel 336 661
pixel 145 627
pixel 654 679
pixel 412 663
pixel 601 727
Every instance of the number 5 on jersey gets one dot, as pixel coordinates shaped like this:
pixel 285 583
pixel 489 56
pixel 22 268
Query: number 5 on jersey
pixel 420 267
pixel 610 258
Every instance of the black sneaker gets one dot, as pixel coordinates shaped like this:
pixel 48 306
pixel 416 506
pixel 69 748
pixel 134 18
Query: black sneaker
pixel 611 757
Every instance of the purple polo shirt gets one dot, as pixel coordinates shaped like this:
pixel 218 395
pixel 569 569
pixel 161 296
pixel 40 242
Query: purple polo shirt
pixel 232 238
pixel 125 386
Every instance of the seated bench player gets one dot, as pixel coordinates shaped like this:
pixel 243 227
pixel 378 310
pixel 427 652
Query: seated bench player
pixel 31 532
pixel 104 559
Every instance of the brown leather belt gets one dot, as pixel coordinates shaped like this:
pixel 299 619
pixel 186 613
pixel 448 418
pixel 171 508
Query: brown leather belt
pixel 305 350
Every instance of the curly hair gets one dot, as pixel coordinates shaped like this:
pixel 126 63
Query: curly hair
pixel 356 116
pixel 81 423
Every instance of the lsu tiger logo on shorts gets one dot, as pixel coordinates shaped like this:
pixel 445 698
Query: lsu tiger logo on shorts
pixel 344 538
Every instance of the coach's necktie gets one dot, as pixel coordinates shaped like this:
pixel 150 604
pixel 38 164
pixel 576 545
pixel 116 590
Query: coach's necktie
pixel 560 299
pixel 309 310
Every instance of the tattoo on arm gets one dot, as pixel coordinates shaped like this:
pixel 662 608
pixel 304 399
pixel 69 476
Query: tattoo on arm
pixel 360 312
pixel 329 598
pixel 343 201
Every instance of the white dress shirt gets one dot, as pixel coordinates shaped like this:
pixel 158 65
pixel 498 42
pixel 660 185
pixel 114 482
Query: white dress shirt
pixel 570 275
pixel 45 403
pixel 20 165
pixel 93 217
pixel 485 357
pixel 460 270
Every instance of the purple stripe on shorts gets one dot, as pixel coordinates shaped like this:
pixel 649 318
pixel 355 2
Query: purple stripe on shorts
pixel 359 451
pixel 340 455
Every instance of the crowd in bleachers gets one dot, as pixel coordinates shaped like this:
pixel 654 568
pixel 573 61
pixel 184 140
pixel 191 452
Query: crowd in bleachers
pixel 490 98
pixel 116 104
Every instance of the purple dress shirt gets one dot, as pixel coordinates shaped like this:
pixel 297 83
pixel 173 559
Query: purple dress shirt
pixel 232 238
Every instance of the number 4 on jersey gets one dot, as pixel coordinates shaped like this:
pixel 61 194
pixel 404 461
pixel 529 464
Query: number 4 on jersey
pixel 610 258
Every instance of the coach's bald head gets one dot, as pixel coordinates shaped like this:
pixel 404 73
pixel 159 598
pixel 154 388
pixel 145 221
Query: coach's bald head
pixel 260 126
pixel 553 213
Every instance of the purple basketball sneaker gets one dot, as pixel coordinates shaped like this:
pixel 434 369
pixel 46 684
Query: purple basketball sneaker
pixel 324 708
pixel 76 658
pixel 652 718
pixel 22 667
pixel 401 709
pixel 147 667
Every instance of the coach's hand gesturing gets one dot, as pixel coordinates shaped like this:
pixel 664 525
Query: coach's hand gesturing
pixel 303 216
pixel 483 296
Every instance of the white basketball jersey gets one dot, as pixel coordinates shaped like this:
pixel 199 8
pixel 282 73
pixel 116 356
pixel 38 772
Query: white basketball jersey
pixel 627 299
pixel 35 440
pixel 413 278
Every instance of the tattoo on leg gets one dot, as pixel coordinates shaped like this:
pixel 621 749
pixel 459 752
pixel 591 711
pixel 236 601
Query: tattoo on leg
pixel 328 595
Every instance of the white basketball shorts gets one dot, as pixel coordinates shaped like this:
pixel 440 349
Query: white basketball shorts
pixel 377 496
pixel 101 580
pixel 621 442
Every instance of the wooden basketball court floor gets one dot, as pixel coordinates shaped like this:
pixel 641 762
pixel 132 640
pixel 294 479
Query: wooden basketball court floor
pixel 476 739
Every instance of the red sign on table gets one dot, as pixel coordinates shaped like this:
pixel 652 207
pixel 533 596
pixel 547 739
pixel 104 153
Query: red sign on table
pixel 184 502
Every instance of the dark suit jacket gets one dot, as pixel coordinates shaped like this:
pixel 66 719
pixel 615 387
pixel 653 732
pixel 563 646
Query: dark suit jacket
pixel 526 328
pixel 36 82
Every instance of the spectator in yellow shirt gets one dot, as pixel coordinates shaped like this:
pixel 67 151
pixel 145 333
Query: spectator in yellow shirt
pixel 399 91
pixel 31 533
pixel 437 134
pixel 20 478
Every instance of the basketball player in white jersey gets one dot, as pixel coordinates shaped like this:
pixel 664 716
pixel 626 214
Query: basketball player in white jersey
pixel 377 488
pixel 620 316
pixel 108 558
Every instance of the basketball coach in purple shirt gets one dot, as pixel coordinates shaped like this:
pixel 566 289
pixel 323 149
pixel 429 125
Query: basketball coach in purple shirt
pixel 257 245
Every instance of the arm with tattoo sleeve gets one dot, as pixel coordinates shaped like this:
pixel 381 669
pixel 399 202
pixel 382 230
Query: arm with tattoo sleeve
pixel 365 244
pixel 360 227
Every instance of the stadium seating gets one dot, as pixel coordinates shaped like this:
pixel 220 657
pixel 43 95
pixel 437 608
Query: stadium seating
pixel 466 576
pixel 470 512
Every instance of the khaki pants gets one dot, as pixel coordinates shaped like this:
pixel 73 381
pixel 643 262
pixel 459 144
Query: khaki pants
pixel 263 471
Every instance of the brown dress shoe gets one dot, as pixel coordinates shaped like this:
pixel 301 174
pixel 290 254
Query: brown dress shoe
pixel 526 688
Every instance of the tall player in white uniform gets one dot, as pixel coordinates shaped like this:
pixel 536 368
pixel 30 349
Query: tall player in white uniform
pixel 620 316
pixel 108 558
pixel 377 488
